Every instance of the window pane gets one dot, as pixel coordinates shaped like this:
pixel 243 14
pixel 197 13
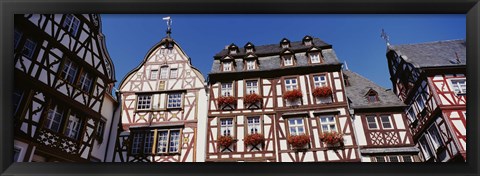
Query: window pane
pixel 386 122
pixel 162 141
pixel 174 141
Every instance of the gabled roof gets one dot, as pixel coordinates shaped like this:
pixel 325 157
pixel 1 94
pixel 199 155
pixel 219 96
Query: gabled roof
pixel 360 86
pixel 433 54
pixel 275 48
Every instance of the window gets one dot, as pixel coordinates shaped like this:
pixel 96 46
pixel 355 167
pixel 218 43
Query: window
pixel 174 100
pixel 153 74
pixel 285 45
pixel 393 158
pixel 71 23
pixel 411 114
pixel 372 96
pixel 252 87
pixel 100 129
pixel 162 140
pixel 250 64
pixel 459 86
pixel 73 126
pixel 148 144
pixel 18 36
pixel 144 102
pixel 173 73
pixel 249 50
pixel 54 118
pixel 17 98
pixel 290 84
pixel 253 125
pixel 29 48
pixel 420 99
pixel 227 89
pixel 136 143
pixel 319 81
pixel 407 158
pixel 296 126
pixel 226 127
pixel 427 152
pixel 328 123
pixel 69 71
pixel 315 58
pixel 372 122
pixel 174 141
pixel 16 153
pixel 380 158
pixel 288 60
pixel 163 72
pixel 386 122
pixel 227 66
pixel 434 137
pixel 85 82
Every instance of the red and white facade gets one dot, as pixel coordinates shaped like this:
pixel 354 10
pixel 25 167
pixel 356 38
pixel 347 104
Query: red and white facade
pixel 163 104
pixel 435 95
pixel 271 73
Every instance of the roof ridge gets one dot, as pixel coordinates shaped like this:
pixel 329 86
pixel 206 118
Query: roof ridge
pixel 430 42
pixel 383 88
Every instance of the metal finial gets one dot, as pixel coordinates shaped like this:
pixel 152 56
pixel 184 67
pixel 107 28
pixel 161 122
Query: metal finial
pixel 385 37
pixel 346 66
pixel 169 25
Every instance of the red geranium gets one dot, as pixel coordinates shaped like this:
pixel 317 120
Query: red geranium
pixel 298 141
pixel 331 137
pixel 227 100
pixel 323 91
pixel 254 139
pixel 292 94
pixel 225 141
pixel 252 98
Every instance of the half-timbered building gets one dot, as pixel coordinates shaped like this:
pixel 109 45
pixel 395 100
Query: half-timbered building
pixel 163 102
pixel 430 79
pixel 63 107
pixel 381 127
pixel 289 94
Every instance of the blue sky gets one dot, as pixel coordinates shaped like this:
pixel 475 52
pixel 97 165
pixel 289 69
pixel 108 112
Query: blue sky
pixel 355 38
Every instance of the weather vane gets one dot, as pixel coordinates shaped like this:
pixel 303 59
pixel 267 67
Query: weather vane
pixel 385 37
pixel 169 25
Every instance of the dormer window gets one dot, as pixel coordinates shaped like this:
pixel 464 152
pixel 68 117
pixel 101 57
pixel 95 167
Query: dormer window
pixel 227 66
pixel 232 49
pixel 287 60
pixel 285 43
pixel 315 58
pixel 249 48
pixel 251 65
pixel 307 41
pixel 372 96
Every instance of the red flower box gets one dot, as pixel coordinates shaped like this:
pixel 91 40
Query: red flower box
pixel 227 100
pixel 254 139
pixel 323 91
pixel 331 137
pixel 298 141
pixel 225 141
pixel 252 98
pixel 292 94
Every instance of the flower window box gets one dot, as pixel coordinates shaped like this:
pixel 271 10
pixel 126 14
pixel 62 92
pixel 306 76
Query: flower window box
pixel 332 139
pixel 253 101
pixel 299 142
pixel 227 102
pixel 225 143
pixel 255 141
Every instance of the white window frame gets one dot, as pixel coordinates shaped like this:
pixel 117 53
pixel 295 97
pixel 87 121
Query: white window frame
pixel 254 125
pixel 85 82
pixel 69 71
pixel 421 102
pixel 144 102
pixel 370 122
pixel 153 74
pixel 73 127
pixel 251 86
pixel 385 122
pixel 162 141
pixel 412 117
pixel 72 24
pixel 315 58
pixel 435 138
pixel 29 48
pixel 227 89
pixel 163 72
pixel 457 87
pixel 174 100
pixel 137 143
pixel 291 84
pixel 148 142
pixel 326 123
pixel 426 150
pixel 249 50
pixel 318 82
pixel 174 141
pixel 288 60
pixel 173 73
pixel 54 116
pixel 250 64
pixel 296 126
pixel 226 127
pixel 227 66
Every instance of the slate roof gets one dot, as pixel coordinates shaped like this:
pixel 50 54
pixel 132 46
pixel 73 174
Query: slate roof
pixel 275 48
pixel 433 54
pixel 271 59
pixel 360 86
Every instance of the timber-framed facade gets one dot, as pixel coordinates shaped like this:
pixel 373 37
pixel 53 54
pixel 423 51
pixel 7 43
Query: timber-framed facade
pixel 430 79
pixel 63 107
